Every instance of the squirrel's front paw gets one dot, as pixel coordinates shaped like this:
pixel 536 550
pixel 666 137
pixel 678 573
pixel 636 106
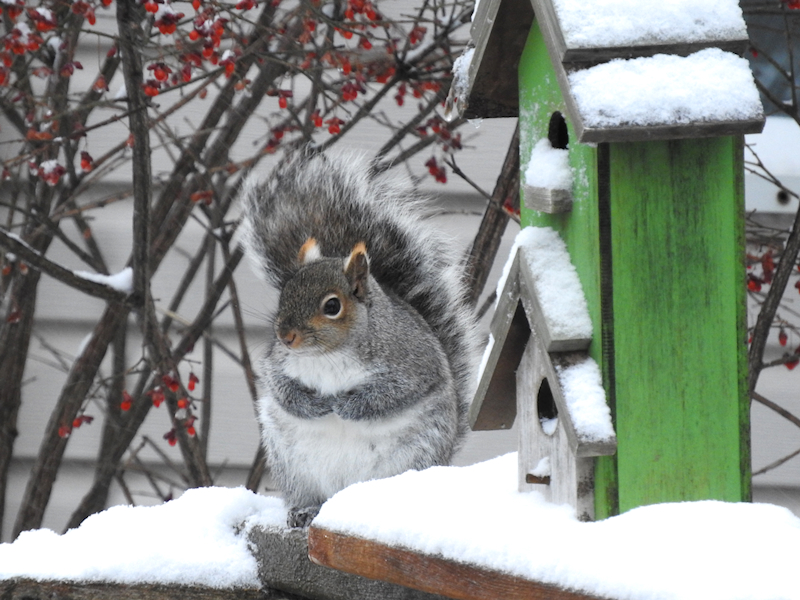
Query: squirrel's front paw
pixel 301 517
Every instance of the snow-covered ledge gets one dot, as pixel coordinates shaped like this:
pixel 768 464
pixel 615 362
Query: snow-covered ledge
pixel 211 543
pixel 475 516
pixel 231 543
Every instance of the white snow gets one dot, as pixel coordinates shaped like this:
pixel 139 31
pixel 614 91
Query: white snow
pixel 683 551
pixel 122 281
pixel 612 23
pixel 198 539
pixel 709 85
pixel 542 468
pixel 121 93
pixel 686 551
pixel 48 166
pixel 548 167
pixel 461 74
pixel 582 384
pixel 558 288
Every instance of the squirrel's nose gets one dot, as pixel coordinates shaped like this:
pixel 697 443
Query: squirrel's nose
pixel 290 338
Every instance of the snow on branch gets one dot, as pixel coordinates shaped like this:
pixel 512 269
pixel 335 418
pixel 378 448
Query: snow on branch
pixel 110 288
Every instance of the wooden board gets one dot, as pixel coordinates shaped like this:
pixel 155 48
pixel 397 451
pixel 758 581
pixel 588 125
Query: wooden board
pixel 492 92
pixel 494 405
pixel 283 564
pixel 431 574
pixel 547 200
pixel 28 589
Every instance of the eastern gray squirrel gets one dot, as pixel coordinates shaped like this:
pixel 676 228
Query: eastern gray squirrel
pixel 372 365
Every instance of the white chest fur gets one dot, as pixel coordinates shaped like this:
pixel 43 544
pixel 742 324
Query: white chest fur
pixel 330 453
pixel 329 373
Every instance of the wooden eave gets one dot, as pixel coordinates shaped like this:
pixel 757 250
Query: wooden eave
pixel 499 33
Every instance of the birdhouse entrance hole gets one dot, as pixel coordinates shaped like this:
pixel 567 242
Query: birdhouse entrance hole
pixel 557 131
pixel 546 408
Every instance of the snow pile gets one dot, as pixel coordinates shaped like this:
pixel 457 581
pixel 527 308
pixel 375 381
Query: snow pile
pixel 582 384
pixel 710 85
pixel 558 288
pixel 548 167
pixel 199 539
pixel 683 551
pixel 614 23
pixel 122 281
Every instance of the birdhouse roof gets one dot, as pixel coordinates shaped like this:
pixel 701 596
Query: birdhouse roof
pixel 628 69
pixel 541 301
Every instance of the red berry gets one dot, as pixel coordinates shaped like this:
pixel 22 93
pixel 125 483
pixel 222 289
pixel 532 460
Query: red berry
pixel 127 401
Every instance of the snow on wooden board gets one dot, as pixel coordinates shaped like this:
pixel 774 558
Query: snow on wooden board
pixel 582 384
pixel 614 23
pixel 198 539
pixel 708 86
pixel 558 289
pixel 694 550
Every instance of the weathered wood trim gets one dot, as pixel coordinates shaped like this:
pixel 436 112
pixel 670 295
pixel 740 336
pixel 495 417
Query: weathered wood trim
pixel 586 57
pixel 425 572
pixel 29 589
pixel 533 309
pixel 547 200
pixel 492 81
pixel 494 405
pixel 700 129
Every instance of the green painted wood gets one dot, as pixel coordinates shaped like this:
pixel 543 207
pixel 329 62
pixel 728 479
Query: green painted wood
pixel 676 214
pixel 656 235
pixel 540 97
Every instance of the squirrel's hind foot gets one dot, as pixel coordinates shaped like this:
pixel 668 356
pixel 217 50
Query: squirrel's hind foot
pixel 300 518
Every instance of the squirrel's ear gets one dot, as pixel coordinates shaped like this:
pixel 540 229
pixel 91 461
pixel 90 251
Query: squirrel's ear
pixel 309 252
pixel 356 269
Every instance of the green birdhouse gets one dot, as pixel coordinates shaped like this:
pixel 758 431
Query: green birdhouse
pixel 631 118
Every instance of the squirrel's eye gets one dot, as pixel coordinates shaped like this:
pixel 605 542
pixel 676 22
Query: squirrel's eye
pixel 332 307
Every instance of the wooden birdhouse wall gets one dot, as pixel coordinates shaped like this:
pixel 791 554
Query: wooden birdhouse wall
pixel 571 476
pixel 655 234
pixel 540 98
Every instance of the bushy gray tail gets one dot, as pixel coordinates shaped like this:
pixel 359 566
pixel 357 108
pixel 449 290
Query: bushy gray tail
pixel 333 199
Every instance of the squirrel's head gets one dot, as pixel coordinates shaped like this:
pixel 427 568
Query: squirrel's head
pixel 319 306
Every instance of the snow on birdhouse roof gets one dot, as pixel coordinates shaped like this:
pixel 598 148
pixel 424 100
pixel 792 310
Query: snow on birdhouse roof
pixel 622 26
pixel 665 91
pixel 539 291
pixel 667 69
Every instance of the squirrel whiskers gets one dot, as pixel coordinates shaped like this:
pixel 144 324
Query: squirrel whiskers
pixel 372 366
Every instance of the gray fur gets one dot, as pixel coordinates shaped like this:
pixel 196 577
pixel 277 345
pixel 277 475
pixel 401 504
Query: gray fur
pixel 400 374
